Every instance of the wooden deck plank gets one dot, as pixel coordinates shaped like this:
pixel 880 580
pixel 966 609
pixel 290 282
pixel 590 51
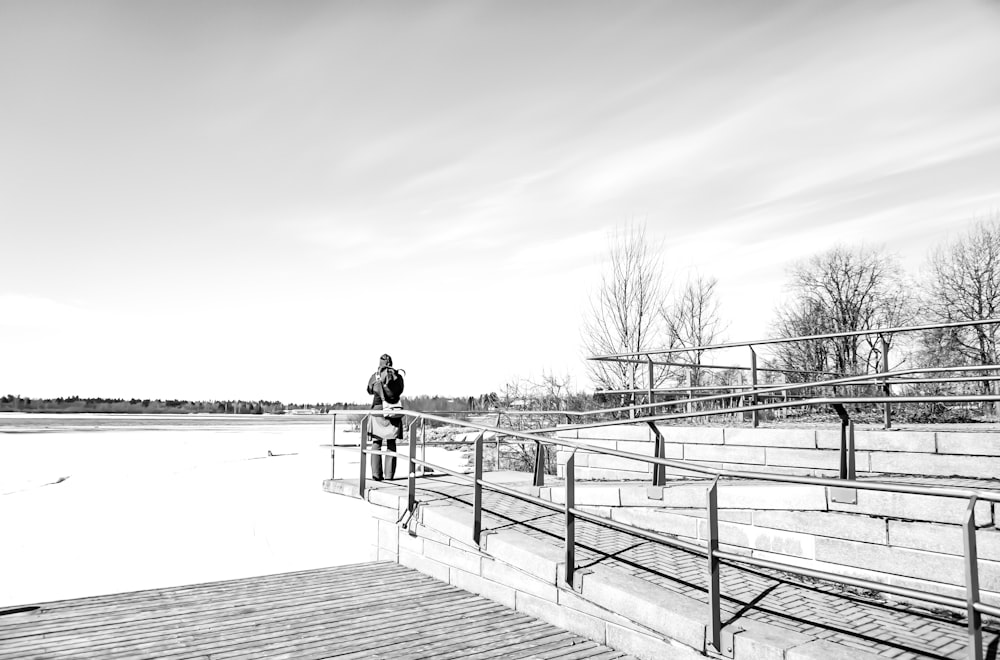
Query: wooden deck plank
pixel 260 610
pixel 344 612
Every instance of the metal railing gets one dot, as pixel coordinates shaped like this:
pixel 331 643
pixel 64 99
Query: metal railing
pixel 971 606
pixel 885 335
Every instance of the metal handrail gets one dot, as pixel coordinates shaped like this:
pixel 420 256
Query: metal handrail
pixel 971 605
pixel 785 340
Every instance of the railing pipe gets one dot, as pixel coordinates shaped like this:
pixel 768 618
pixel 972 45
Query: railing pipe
pixel 753 381
pixel 659 450
pixel 785 340
pixel 886 390
pixel 539 479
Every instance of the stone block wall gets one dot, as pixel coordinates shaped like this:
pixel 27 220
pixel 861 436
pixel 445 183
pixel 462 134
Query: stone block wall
pixel 807 452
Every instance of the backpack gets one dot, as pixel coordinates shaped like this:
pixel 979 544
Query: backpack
pixel 390 388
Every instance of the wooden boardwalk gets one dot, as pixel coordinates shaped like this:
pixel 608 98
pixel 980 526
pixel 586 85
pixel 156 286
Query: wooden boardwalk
pixel 376 610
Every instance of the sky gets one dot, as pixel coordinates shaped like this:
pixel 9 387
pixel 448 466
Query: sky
pixel 254 200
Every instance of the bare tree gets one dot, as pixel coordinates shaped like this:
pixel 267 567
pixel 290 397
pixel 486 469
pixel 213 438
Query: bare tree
pixel 963 284
pixel 842 290
pixel 692 319
pixel 623 317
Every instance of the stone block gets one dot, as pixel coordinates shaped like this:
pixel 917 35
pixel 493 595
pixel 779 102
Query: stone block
pixel 410 543
pixel 972 444
pixel 448 520
pixel 510 576
pixel 647 647
pixel 725 453
pixel 672 615
pixel 658 521
pixel 390 498
pixel 893 561
pixel 890 441
pixel 639 496
pixel 944 465
pixel 386 555
pixel 529 554
pixel 388 536
pixel 927 508
pixel 589 495
pixel 824 523
pixel 674 451
pixel 758 641
pixel 744 516
pixel 426 566
pixel 465 560
pixel 618 463
pixel 782 497
pixel 600 474
pixel 566 434
pixel 477 584
pixel 571 600
pixel 946 539
pixel 790 438
pixel 562 617
pixel 762 538
pixel 804 458
pixel 823 650
pixel 616 432
pixel 384 513
pixel 692 435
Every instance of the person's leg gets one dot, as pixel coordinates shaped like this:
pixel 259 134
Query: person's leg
pixel 377 459
pixel 390 461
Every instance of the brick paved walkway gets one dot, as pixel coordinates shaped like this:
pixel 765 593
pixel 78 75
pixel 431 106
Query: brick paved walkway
pixel 821 610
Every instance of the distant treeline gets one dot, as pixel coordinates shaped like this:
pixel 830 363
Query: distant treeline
pixel 75 404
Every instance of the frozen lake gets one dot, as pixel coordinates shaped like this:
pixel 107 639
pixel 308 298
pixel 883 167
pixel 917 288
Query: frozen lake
pixel 95 504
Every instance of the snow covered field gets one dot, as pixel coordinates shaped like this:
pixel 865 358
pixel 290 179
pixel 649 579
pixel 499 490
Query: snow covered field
pixel 122 508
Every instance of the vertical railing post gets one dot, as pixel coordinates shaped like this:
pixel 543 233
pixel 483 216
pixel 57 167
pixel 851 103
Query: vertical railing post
pixel 423 443
pixel 411 483
pixel 477 491
pixel 651 385
pixel 975 647
pixel 570 518
pixel 539 480
pixel 850 451
pixel 714 604
pixel 886 390
pixel 333 449
pixel 362 446
pixel 755 415
pixel 659 451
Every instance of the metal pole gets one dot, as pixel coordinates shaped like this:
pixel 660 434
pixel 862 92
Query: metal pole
pixel 333 449
pixel 714 605
pixel 539 464
pixel 845 422
pixel 753 382
pixel 362 446
pixel 885 385
pixel 477 492
pixel 423 442
pixel 411 484
pixel 850 451
pixel 975 647
pixel 652 411
pixel 659 471
pixel 570 518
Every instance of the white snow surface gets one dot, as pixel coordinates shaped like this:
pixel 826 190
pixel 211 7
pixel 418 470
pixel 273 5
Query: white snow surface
pixel 139 509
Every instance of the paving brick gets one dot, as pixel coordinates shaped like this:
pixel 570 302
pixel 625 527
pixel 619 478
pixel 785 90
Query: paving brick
pixel 823 650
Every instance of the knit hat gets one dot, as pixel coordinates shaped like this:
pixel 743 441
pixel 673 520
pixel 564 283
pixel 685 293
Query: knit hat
pixel 385 361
